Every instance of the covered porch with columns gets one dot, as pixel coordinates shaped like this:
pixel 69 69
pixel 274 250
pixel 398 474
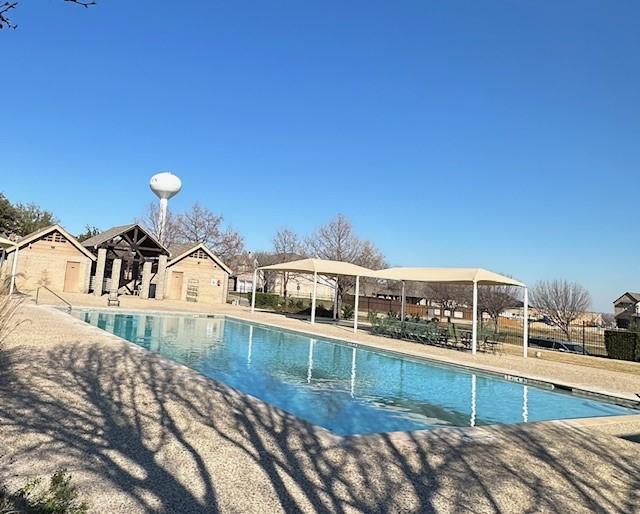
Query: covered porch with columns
pixel 130 261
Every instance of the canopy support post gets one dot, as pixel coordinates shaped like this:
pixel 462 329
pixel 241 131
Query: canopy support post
pixel 335 301
pixel 356 306
pixel 403 302
pixel 253 293
pixel 313 298
pixel 474 328
pixel 525 323
pixel 14 267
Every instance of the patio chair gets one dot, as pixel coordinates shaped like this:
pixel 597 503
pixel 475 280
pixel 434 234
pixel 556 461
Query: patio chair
pixel 465 341
pixel 494 343
pixel 113 299
pixel 420 333
pixel 442 337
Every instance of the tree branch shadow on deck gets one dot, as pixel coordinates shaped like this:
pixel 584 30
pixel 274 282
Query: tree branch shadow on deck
pixel 162 435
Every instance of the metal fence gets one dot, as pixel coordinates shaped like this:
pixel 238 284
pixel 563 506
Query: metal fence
pixel 582 338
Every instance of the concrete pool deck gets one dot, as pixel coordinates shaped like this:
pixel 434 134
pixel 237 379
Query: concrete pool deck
pixel 140 433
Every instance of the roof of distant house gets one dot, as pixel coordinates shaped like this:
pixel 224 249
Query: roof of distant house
pixel 634 296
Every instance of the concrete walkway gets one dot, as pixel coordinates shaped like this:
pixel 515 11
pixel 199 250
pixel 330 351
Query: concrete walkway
pixel 142 434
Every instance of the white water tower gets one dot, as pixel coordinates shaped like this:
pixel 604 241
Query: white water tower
pixel 165 185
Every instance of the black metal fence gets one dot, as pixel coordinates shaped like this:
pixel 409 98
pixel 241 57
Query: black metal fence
pixel 581 338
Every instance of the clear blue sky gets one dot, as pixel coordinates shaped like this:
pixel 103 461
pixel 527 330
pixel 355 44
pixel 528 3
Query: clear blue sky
pixel 497 134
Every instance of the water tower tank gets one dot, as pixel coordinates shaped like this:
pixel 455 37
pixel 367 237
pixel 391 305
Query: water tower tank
pixel 165 185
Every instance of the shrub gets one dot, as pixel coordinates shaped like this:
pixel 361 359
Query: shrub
pixel 321 312
pixel 622 344
pixel 59 498
pixel 266 300
pixel 347 311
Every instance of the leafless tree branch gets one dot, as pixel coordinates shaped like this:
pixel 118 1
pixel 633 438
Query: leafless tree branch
pixel 5 21
pixel 561 302
pixel 4 18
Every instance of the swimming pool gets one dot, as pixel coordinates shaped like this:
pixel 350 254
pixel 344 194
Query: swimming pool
pixel 346 389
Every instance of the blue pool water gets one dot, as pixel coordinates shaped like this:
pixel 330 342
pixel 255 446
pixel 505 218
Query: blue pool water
pixel 345 389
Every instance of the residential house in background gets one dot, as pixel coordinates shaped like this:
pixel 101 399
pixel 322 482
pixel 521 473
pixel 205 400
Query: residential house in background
pixel 299 285
pixel 626 309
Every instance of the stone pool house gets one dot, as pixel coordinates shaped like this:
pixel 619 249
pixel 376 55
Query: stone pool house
pixel 126 260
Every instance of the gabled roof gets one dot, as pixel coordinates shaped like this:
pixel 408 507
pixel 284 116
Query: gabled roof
pixel 634 296
pixel 177 249
pixel 180 251
pixel 34 236
pixel 109 234
pixel 6 243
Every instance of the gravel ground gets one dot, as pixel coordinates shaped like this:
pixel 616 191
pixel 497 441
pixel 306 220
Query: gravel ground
pixel 142 434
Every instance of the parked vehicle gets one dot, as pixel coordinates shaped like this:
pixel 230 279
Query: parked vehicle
pixel 560 346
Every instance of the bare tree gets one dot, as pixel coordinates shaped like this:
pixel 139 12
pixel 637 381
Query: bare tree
pixel 561 302
pixel 5 21
pixel 337 241
pixel 494 300
pixel 197 225
pixel 287 247
pixel 266 277
pixel 608 319
pixel 151 222
pixel 449 296
pixel 200 225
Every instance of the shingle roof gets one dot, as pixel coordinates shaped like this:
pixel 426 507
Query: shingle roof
pixel 107 235
pixel 634 296
pixel 44 231
pixel 178 249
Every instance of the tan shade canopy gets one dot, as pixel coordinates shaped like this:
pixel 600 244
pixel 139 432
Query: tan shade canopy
pixel 5 243
pixel 449 275
pixel 322 267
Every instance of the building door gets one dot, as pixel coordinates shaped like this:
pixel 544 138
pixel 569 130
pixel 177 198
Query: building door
pixel 72 277
pixel 177 278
